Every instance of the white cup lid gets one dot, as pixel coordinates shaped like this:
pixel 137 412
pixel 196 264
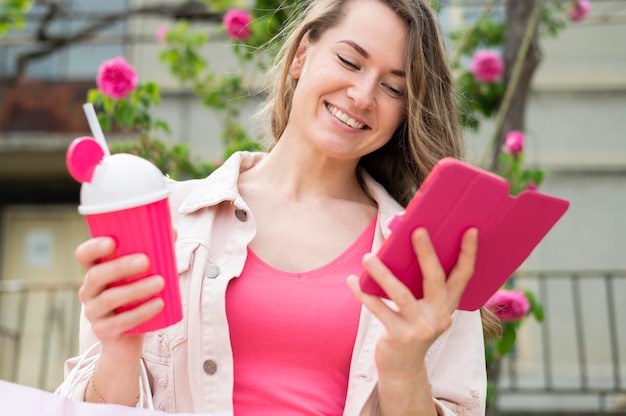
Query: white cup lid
pixel 122 181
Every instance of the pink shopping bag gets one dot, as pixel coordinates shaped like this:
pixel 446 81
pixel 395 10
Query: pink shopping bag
pixel 21 400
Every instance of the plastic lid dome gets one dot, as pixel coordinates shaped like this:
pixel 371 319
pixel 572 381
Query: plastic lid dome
pixel 122 181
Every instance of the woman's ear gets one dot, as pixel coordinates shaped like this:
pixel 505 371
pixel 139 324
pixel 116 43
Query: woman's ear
pixel 295 69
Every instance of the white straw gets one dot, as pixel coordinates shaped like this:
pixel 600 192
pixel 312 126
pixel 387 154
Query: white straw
pixel 94 125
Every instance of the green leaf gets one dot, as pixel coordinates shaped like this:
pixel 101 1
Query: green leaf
pixel 105 122
pixel 535 307
pixel 153 91
pixel 12 14
pixel 108 105
pixel 169 56
pixel 162 125
pixel 127 117
pixel 505 343
pixel 92 95
pixel 537 176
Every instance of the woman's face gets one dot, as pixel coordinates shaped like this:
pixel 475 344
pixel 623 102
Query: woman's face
pixel 351 89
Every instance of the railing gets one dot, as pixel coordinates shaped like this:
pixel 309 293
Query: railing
pixel 573 362
pixel 38 330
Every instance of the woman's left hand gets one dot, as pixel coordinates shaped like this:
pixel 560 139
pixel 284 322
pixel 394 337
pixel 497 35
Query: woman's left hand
pixel 413 326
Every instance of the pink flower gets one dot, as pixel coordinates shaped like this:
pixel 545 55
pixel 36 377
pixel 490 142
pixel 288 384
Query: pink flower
pixel 514 142
pixel 161 33
pixel 116 78
pixel 236 23
pixel 532 186
pixel 509 305
pixel 580 10
pixel 487 65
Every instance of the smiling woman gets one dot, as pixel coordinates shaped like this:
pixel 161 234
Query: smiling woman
pixel 361 107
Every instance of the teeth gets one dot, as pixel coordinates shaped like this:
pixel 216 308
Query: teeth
pixel 344 118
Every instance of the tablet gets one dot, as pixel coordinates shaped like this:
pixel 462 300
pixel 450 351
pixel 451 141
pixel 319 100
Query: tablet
pixel 455 197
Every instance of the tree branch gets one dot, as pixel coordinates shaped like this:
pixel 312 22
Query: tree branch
pixel 189 10
pixel 51 14
pixel 521 59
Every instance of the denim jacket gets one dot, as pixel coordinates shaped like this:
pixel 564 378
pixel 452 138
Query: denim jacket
pixel 190 364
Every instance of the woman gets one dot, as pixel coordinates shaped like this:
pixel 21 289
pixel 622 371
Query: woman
pixel 362 108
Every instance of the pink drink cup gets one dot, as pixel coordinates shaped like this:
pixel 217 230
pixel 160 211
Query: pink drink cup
pixel 125 197
pixel 144 229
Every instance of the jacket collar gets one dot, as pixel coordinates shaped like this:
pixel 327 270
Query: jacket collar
pixel 388 208
pixel 221 185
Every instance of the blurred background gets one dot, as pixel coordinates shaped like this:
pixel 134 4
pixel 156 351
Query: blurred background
pixel 574 362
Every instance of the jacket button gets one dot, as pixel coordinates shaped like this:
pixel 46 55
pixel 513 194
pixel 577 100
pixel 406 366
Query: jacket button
pixel 212 271
pixel 210 367
pixel 241 215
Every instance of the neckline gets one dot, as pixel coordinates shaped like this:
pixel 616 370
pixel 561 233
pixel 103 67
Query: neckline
pixel 364 241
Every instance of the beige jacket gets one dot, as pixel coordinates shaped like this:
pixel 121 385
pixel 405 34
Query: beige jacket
pixel 190 364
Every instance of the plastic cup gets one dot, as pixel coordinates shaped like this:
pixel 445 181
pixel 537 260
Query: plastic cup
pixel 125 197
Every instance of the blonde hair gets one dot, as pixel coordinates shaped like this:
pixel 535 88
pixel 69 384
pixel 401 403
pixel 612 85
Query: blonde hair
pixel 492 326
pixel 431 128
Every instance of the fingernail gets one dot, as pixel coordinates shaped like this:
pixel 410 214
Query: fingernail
pixel 156 304
pixel 139 261
pixel 371 261
pixel 105 244
pixel 422 234
pixel 156 282
pixel 353 282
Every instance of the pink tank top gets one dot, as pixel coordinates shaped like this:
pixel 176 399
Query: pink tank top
pixel 292 335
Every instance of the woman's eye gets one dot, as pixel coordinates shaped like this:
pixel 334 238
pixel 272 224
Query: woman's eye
pixel 394 91
pixel 347 63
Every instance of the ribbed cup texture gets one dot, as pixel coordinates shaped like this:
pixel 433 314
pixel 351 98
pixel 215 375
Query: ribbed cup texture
pixel 145 229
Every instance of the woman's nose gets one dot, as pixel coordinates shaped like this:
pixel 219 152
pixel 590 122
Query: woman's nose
pixel 363 91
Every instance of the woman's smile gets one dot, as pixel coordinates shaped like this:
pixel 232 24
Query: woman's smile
pixel 345 118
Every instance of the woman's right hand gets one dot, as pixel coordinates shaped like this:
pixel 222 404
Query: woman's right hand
pixel 101 301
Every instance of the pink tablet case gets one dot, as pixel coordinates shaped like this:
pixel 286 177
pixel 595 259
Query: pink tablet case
pixel 455 197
